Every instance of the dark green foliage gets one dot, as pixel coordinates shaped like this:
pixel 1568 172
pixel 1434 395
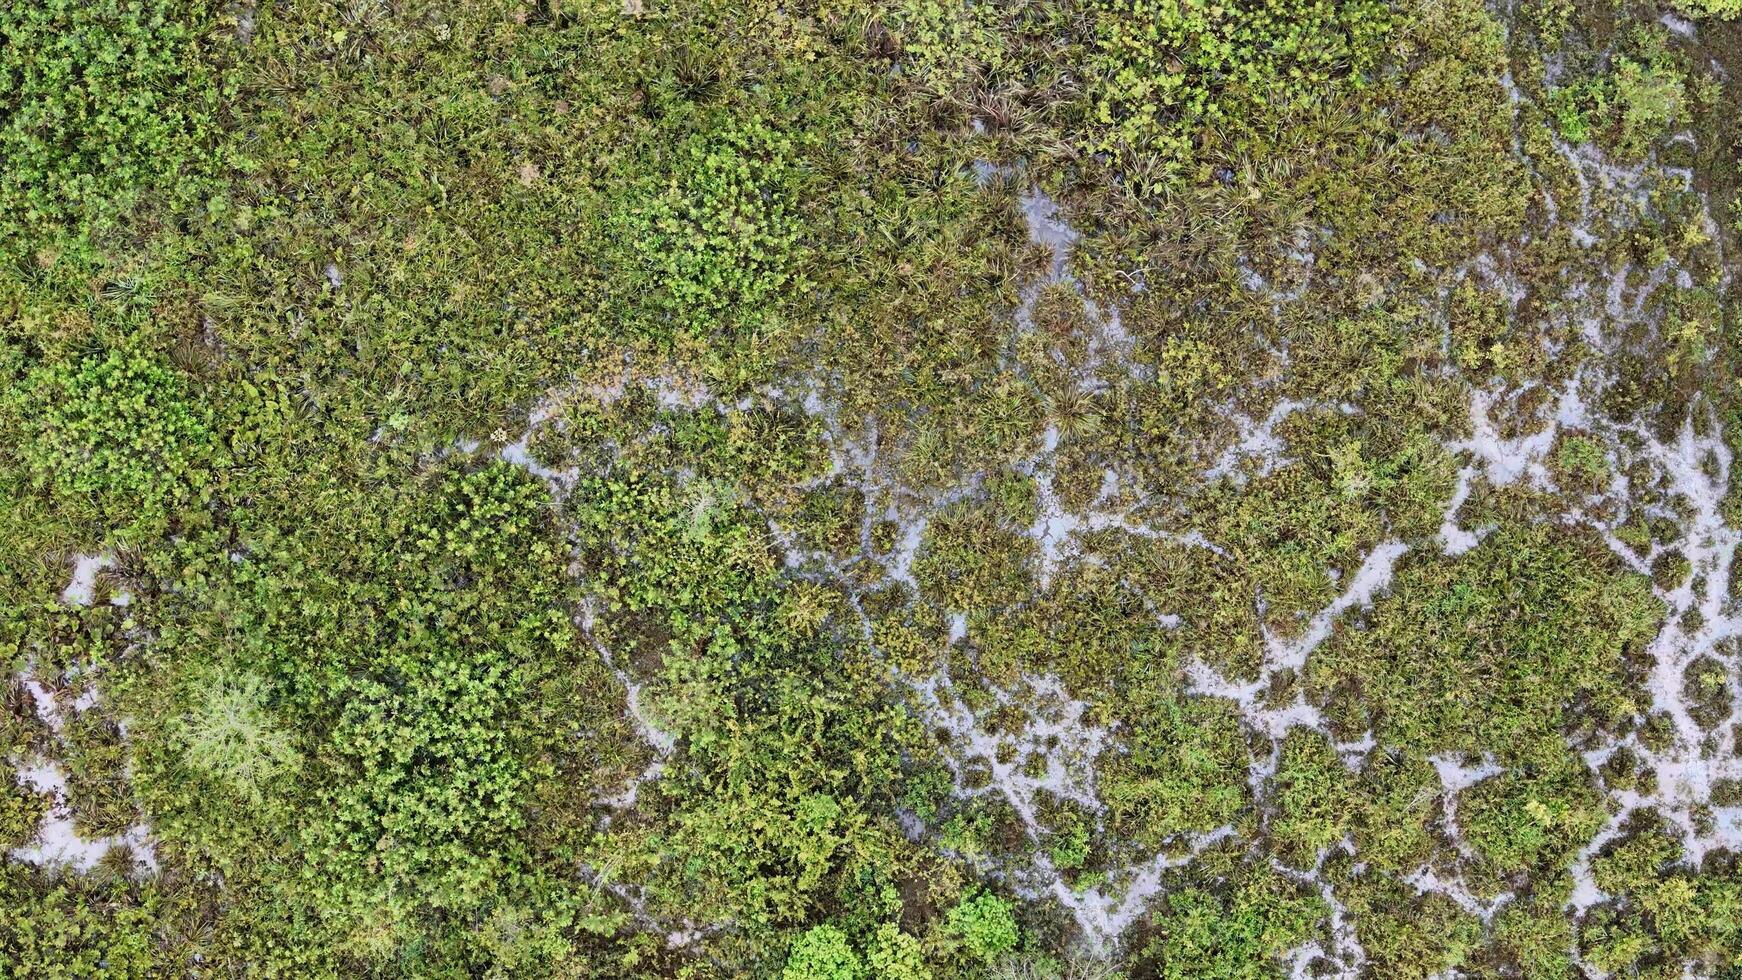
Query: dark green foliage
pixel 120 429
pixel 99 102
pixel 787 741
pixel 429 746
pixel 1235 930
pixel 715 240
pixel 379 784
pixel 71 933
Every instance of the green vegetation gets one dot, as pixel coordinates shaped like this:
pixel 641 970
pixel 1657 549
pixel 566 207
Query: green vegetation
pixel 102 103
pixel 1630 106
pixel 1043 490
pixel 1499 651
pixel 1663 913
pixel 231 738
pixel 1165 71
pixel 1711 8
pixel 1239 929
pixel 120 432
pixel 715 242
pixel 823 953
pixel 985 926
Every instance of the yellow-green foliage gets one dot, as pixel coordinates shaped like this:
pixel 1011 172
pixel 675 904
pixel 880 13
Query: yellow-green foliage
pixel 1164 69
pixel 1723 9
pixel 1536 816
pixel 1184 771
pixel 1311 789
pixel 1416 936
pixel 895 955
pixel 1498 651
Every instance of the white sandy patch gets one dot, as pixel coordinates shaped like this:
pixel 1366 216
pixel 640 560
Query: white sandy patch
pixel 57 841
pixel 82 590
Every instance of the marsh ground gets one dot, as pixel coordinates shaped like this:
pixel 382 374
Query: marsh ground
pixel 870 490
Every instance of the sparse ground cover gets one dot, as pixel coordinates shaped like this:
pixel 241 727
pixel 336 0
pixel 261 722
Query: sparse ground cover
pixel 870 490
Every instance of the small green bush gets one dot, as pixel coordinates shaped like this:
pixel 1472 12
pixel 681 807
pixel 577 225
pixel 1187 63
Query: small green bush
pixel 767 820
pixel 359 725
pixel 714 242
pixel 231 737
pixel 895 955
pixel 985 925
pixel 21 810
pixel 1497 651
pixel 1311 790
pixel 119 427
pixel 1628 108
pixel 823 953
pixel 1651 97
